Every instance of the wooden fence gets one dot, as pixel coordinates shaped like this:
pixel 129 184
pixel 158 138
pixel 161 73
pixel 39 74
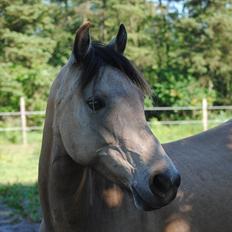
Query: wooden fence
pixel 204 121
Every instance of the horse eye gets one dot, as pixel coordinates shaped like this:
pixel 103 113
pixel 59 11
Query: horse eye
pixel 95 103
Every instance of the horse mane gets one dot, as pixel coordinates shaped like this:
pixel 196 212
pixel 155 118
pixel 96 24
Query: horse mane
pixel 100 55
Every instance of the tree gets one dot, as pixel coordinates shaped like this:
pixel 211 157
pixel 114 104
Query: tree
pixel 184 48
pixel 26 47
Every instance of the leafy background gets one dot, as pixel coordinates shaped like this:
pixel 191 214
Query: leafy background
pixel 183 48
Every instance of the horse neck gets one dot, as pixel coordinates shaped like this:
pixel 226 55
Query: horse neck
pixel 69 177
pixel 83 184
pixel 80 190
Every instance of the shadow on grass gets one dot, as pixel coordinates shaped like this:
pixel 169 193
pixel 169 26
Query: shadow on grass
pixel 23 199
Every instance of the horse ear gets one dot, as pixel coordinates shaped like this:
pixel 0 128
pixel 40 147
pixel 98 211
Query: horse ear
pixel 82 42
pixel 119 42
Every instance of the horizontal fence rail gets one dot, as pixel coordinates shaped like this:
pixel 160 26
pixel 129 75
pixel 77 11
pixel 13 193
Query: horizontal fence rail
pixel 4 114
pixel 204 108
pixel 178 108
pixel 183 122
pixel 20 128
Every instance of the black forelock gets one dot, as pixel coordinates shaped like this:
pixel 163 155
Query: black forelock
pixel 101 55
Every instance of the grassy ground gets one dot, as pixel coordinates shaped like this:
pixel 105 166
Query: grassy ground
pixel 18 166
pixel 168 133
pixel 18 175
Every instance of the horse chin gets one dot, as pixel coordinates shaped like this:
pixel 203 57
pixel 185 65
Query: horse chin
pixel 140 203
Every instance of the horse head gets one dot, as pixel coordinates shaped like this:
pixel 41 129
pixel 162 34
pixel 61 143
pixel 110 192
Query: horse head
pixel 100 117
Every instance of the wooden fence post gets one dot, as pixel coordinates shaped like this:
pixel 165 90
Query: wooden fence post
pixel 204 114
pixel 23 120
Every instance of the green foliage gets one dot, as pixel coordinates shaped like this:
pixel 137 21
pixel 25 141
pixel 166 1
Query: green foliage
pixel 174 88
pixel 24 199
pixel 26 48
pixel 148 102
pixel 185 55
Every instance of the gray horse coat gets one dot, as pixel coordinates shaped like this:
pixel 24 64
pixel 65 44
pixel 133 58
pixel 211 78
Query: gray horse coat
pixel 102 170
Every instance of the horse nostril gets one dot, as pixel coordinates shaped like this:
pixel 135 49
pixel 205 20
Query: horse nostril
pixel 162 183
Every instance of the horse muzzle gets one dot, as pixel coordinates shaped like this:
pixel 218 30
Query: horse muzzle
pixel 152 187
pixel 155 191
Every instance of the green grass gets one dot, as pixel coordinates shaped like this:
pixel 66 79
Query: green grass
pixel 23 199
pixel 168 133
pixel 12 137
pixel 19 165
pixel 18 177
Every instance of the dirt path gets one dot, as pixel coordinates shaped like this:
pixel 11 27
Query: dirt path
pixel 11 223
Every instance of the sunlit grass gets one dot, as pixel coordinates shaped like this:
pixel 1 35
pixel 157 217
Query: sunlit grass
pixel 169 133
pixel 18 163
pixel 18 178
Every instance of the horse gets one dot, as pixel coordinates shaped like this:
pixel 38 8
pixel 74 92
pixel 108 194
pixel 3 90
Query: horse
pixel 204 200
pixel 101 169
pixel 99 160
